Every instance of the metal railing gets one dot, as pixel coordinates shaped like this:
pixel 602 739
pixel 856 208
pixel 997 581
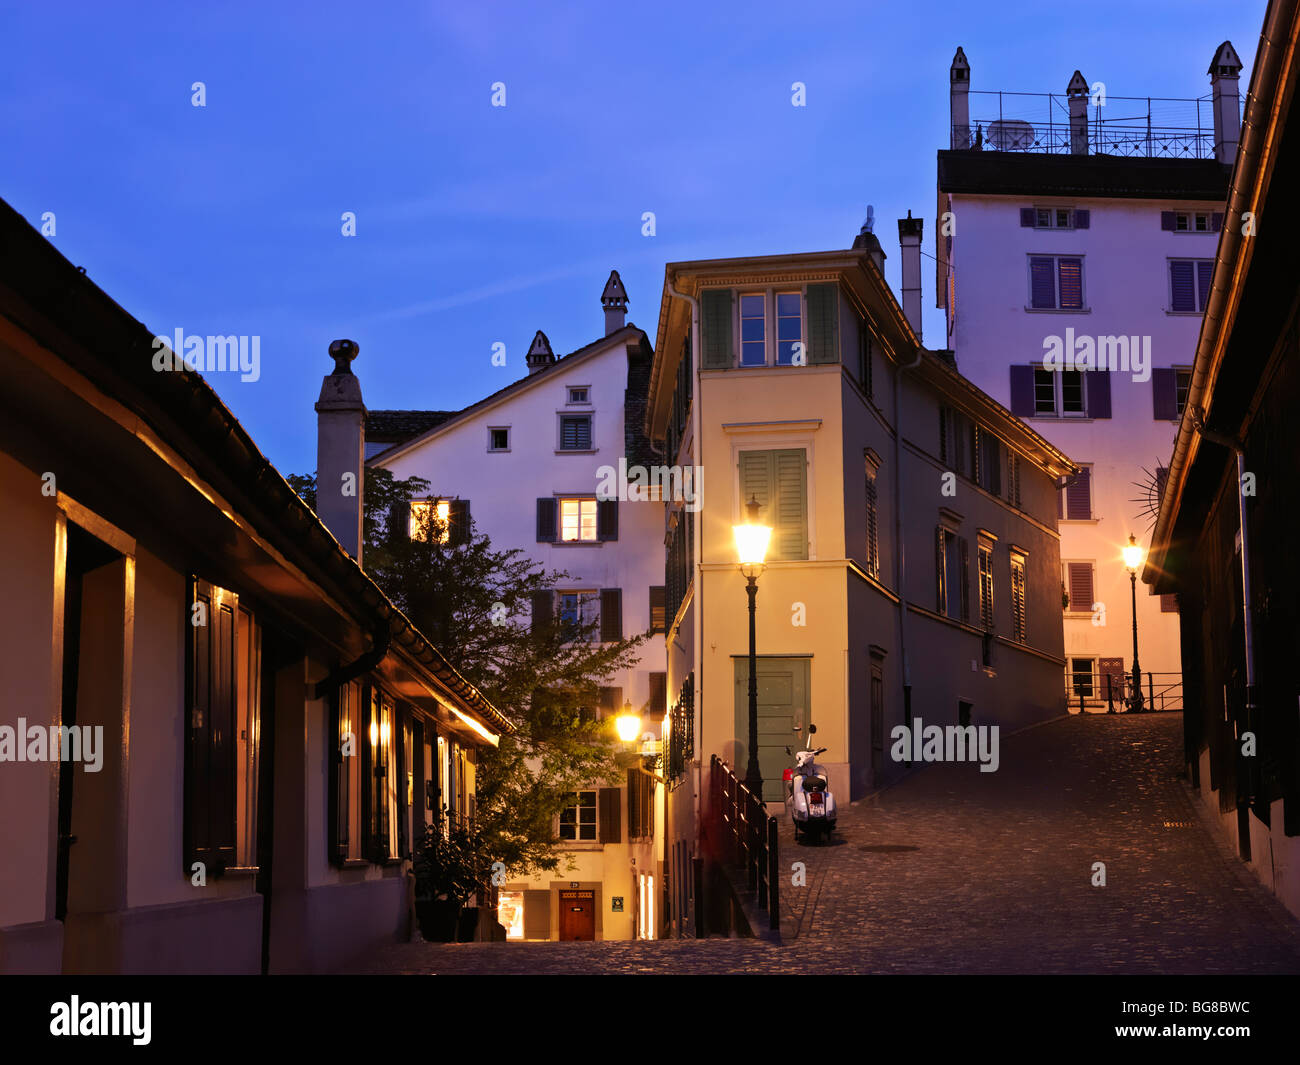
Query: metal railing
pixel 1113 692
pixel 1133 126
pixel 745 835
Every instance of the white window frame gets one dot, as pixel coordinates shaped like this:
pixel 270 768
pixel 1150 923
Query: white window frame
pixel 1052 222
pixel 577 823
pixel 581 502
pixel 1065 580
pixel 498 429
pixel 560 449
pixel 1058 393
pixel 1056 308
pixel 1191 218
pixel 1019 625
pixel 570 401
pixel 588 605
pixel 771 322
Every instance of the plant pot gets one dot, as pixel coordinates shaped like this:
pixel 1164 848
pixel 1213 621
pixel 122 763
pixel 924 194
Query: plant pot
pixel 439 919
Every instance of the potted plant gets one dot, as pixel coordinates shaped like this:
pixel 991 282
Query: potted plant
pixel 444 869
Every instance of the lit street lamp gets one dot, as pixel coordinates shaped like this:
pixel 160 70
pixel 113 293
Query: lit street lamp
pixel 628 724
pixel 1133 555
pixel 751 546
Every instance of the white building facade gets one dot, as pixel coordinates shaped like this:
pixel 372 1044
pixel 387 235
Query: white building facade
pixel 527 463
pixel 1074 257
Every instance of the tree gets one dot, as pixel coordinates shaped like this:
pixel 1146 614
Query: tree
pixel 475 604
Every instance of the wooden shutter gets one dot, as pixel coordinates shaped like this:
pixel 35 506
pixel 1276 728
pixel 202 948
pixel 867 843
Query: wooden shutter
pixel 1098 384
pixel 1204 273
pixel 606 519
pixel 611 701
pixel 1078 496
pixel 873 541
pixel 537 914
pixel 1080 586
pixel 658 693
pixel 339 782
pixel 1070 271
pixel 791 517
pixel 658 620
pixel 941 600
pixel 715 329
pixel 459 521
pixel 1042 283
pixel 210 772
pixel 1081 219
pixel 1167 221
pixel 823 323
pixel 1181 285
pixel 1027 216
pixel 1164 395
pixel 963 555
pixel 400 767
pixel 1169 603
pixel 611 815
pixel 1216 221
pixel 1022 391
pixel 546 520
pixel 543 610
pixel 611 615
pixel 755 483
pixel 943 434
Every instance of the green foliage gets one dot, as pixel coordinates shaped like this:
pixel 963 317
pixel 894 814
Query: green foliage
pixel 474 603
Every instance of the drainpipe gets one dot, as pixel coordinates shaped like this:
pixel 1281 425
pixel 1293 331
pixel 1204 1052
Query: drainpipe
pixel 1248 628
pixel 368 661
pixel 698 578
pixel 899 550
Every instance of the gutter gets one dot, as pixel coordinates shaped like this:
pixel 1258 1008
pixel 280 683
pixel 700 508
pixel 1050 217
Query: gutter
pixel 900 552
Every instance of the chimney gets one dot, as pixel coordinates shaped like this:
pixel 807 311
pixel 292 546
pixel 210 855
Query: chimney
pixel 340 450
pixel 614 300
pixel 1077 91
pixel 540 355
pixel 909 236
pixel 1224 69
pixel 959 100
pixel 866 239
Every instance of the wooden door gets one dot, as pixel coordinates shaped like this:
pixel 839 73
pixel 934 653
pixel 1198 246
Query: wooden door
pixel 783 698
pixel 577 915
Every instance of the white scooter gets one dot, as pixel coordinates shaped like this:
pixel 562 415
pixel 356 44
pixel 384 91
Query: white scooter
pixel 808 794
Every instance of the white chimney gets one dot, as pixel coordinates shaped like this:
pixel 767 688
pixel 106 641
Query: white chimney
pixel 340 450
pixel 614 300
pixel 909 237
pixel 1224 69
pixel 1077 91
pixel 959 100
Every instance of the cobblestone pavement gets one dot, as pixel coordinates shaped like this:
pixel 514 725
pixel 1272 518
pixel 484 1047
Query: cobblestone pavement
pixel 952 870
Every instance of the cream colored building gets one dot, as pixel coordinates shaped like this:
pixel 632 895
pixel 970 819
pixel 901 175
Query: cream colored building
pixel 798 380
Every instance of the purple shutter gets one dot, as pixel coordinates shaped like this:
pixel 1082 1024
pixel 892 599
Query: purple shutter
pixel 1027 217
pixel 1204 272
pixel 1042 283
pixel 1081 219
pixel 1097 383
pixel 1071 271
pixel 546 517
pixel 606 519
pixel 1080 586
pixel 1216 222
pixel 1167 220
pixel 1078 496
pixel 1022 391
pixel 1181 285
pixel 1164 395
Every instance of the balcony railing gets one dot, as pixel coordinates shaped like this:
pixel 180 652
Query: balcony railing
pixel 1128 126
pixel 745 836
pixel 1113 692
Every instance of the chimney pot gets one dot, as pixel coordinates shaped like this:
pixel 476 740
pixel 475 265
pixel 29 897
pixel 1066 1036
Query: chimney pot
pixel 340 450
pixel 614 300
pixel 909 238
pixel 1224 68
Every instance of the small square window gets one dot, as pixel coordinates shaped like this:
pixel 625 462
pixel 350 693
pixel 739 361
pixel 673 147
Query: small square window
pixel 1044 218
pixel 579 395
pixel 499 439
pixel 1202 223
pixel 575 432
pixel 1062 218
pixel 1182 222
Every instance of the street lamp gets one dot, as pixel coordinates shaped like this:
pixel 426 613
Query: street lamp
pixel 751 546
pixel 1133 555
pixel 628 724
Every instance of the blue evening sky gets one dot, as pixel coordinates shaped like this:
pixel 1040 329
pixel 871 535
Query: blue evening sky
pixel 478 224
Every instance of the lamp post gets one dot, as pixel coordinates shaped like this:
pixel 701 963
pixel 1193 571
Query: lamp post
pixel 1133 555
pixel 751 546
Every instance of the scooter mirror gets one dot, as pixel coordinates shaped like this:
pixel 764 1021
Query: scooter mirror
pixel 812 729
pixel 787 750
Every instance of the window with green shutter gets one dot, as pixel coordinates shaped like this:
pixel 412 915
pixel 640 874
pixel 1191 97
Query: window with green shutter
pixel 715 329
pixel 823 323
pixel 778 479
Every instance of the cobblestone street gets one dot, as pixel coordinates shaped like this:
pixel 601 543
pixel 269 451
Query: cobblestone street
pixel 952 870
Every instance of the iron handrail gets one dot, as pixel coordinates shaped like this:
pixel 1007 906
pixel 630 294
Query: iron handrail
pixel 745 836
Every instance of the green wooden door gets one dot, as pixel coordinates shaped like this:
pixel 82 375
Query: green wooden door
pixel 783 699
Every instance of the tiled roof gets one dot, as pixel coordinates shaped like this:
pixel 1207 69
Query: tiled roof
pixel 394 426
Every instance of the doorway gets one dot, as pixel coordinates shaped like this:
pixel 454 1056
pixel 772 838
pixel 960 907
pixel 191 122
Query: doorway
pixel 783 703
pixel 577 915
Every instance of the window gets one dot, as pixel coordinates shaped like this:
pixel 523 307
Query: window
pixel 1018 628
pixel 510 913
pixel 1013 478
pixel 988 460
pixel 952 570
pixel 577 520
pixel 873 535
pixel 789 327
pixel 382 774
pixel 1075 501
pixel 499 439
pixel 1059 393
pixel 1182 385
pixel 347 777
pixel 1078 587
pixel 1053 218
pixel 753 330
pixel 865 359
pixel 658 622
pixel 779 481
pixel 1192 222
pixel 1189 285
pixel 579 394
pixel 1081 676
pixel 578 611
pixel 985 561
pixel 1056 282
pixel 224 662
pixel 1169 603
pixel 578 818
pixel 430 518
pixel 575 432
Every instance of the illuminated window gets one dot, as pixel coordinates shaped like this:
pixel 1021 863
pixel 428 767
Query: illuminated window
pixel 430 516
pixel 578 818
pixel 510 912
pixel 577 519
